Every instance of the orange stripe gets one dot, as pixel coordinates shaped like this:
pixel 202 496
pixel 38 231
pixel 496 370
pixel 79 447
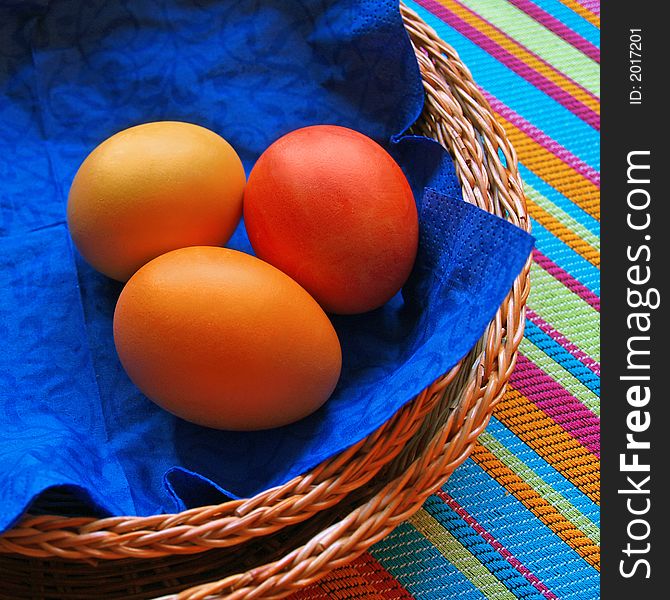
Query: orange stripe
pixel 538 505
pixel 520 52
pixel 563 233
pixel 533 426
pixel 582 11
pixel 553 170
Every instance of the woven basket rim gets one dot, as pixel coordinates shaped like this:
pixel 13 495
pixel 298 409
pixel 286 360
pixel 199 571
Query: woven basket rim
pixel 458 116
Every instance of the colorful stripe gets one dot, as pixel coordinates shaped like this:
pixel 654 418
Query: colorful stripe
pixel 497 546
pixel 540 549
pixel 551 441
pixel 518 25
pixel 544 141
pixel 554 478
pixel 534 320
pixel 518 94
pixel 533 68
pixel 566 311
pixel 562 367
pixel 555 401
pixel 382 583
pixel 577 272
pixel 559 28
pixel 541 487
pixel 571 21
pixel 549 167
pixel 563 203
pixel 525 64
pixel 589 9
pixel 420 567
pixel 550 358
pixel 487 554
pixel 521 517
pixel 460 556
pixel 545 511
pixel 567 236
pixel 578 231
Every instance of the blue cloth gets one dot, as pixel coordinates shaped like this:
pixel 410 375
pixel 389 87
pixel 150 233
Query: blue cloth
pixel 74 431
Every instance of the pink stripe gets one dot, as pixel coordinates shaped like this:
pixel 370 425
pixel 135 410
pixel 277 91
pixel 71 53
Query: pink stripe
pixel 544 140
pixel 496 545
pixel 565 343
pixel 560 29
pixel 592 6
pixel 566 279
pixel 518 66
pixel 552 398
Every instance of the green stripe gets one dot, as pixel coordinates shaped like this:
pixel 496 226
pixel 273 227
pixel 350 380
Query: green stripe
pixel 560 215
pixel 458 555
pixel 541 487
pixel 561 375
pixel 547 45
pixel 565 311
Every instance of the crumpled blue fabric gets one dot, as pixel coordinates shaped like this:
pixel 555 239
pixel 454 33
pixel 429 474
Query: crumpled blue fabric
pixel 75 434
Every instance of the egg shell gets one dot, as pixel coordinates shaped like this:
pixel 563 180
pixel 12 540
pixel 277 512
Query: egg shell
pixel 154 188
pixel 225 340
pixel 332 209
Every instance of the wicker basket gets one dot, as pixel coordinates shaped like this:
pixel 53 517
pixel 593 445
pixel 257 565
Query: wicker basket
pixel 283 539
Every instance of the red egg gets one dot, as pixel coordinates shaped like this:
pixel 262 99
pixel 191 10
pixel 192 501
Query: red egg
pixel 332 209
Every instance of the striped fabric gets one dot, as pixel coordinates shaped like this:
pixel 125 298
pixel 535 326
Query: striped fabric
pixel 521 519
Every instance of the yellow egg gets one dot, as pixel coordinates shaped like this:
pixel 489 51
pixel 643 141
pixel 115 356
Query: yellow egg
pixel 225 340
pixel 151 189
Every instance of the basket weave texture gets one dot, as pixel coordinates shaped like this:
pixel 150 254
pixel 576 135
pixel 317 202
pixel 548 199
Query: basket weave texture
pixel 290 536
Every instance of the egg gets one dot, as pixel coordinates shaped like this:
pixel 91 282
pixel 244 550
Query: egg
pixel 225 340
pixel 154 188
pixel 332 209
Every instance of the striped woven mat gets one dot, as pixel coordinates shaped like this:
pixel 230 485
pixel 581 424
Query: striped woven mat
pixel 521 518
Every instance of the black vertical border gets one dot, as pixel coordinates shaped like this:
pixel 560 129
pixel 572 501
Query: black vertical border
pixel 628 127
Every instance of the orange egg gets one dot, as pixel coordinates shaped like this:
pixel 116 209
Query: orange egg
pixel 332 209
pixel 225 340
pixel 154 188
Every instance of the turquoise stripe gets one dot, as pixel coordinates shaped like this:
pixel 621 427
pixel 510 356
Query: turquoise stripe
pixel 563 202
pixel 560 355
pixel 566 258
pixel 553 477
pixel 571 19
pixel 485 553
pixel 535 106
pixel 555 563
pixel 420 567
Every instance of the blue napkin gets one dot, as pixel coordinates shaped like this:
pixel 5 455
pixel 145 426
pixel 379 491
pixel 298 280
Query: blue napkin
pixel 75 434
